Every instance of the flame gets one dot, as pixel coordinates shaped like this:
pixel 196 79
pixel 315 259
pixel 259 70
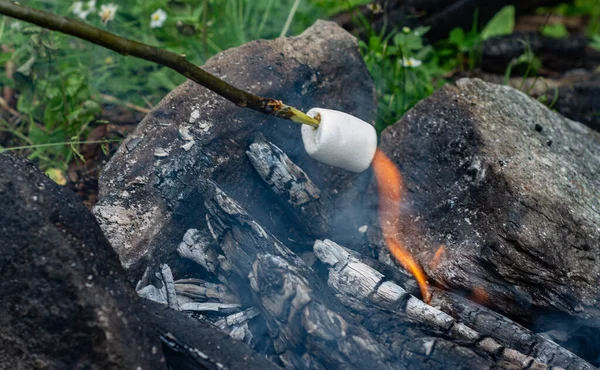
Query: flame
pixel 390 185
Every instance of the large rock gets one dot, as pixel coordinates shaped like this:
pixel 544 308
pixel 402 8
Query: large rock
pixel 512 190
pixel 148 191
pixel 65 302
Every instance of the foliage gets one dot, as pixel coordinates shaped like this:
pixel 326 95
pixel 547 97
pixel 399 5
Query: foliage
pixel 555 30
pixel 501 24
pixel 588 8
pixel 528 59
pixel 60 81
pixel 404 69
pixel 463 49
pixel 595 42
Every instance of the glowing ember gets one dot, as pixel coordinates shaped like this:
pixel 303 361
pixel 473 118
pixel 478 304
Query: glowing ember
pixel 438 256
pixel 480 296
pixel 391 192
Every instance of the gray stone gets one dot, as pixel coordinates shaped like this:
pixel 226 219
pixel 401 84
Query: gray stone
pixel 512 190
pixel 148 197
pixel 65 302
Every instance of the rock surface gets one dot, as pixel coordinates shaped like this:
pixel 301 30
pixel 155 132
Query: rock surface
pixel 147 194
pixel 65 301
pixel 512 190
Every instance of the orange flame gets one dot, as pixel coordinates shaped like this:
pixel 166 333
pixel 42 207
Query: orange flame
pixel 390 185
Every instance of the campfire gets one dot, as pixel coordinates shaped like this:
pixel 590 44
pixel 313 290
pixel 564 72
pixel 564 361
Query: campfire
pixel 253 243
pixel 247 232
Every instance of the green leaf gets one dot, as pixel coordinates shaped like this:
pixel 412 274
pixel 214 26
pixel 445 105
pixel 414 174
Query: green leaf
pixel 408 42
pixel 555 30
pixel 56 175
pixel 375 43
pixel 595 42
pixel 457 36
pixel 502 23
pixel 421 31
pixel 54 113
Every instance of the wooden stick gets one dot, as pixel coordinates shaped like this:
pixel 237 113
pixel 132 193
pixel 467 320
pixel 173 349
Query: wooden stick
pixel 176 62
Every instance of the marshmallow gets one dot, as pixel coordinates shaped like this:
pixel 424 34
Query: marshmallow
pixel 341 140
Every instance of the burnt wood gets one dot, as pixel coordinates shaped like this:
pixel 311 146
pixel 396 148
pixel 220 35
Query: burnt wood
pixel 66 302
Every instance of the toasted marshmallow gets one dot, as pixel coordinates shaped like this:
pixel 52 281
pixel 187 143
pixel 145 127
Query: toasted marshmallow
pixel 341 140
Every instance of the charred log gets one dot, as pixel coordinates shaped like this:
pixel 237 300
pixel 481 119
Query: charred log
pixel 313 209
pixel 456 317
pixel 309 327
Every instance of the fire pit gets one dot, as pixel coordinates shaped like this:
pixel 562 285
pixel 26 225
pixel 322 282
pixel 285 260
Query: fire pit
pixel 470 242
pixel 266 226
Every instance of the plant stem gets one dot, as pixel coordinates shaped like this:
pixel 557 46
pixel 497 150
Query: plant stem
pixel 2 150
pixel 163 57
pixel 288 21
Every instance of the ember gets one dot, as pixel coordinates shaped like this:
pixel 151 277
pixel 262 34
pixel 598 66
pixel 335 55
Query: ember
pixel 438 256
pixel 391 192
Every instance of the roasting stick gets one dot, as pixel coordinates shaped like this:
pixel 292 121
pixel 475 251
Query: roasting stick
pixel 176 62
pixel 343 140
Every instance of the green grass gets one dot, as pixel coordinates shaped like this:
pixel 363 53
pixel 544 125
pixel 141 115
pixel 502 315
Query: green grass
pixel 59 80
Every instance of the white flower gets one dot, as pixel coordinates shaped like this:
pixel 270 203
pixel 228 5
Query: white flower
pixel 82 11
pixel 375 8
pixel 411 62
pixel 15 25
pixel 107 12
pixel 158 18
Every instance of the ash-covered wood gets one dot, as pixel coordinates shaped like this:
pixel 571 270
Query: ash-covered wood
pixel 506 331
pixel 160 287
pixel 147 195
pixel 309 327
pixel 485 321
pixel 190 344
pixel 312 208
pixel 470 323
pixel 392 323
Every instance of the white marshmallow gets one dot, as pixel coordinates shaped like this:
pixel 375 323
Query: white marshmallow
pixel 341 140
